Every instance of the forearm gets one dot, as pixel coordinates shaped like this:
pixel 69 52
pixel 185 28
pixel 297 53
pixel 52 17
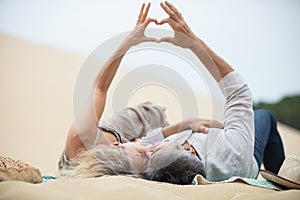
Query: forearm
pixel 195 124
pixel 175 128
pixel 106 75
pixel 217 66
pixel 104 80
pixel 184 37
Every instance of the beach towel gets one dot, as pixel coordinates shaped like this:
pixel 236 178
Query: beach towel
pixel 200 180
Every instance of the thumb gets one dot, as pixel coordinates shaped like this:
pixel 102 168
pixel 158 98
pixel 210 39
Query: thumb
pixel 150 39
pixel 167 39
pixel 167 20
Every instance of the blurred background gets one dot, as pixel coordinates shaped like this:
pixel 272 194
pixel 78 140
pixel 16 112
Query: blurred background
pixel 259 38
pixel 43 45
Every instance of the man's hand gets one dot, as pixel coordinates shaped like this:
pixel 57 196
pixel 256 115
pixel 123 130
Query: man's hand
pixel 201 125
pixel 137 36
pixel 183 35
pixel 194 124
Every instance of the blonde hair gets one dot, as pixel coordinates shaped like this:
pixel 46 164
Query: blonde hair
pixel 98 162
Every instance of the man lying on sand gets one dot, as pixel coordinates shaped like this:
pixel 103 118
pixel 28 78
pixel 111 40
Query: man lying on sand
pixel 218 153
pixel 173 153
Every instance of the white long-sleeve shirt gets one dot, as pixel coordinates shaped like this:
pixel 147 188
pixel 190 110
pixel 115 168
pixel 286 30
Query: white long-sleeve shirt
pixel 226 152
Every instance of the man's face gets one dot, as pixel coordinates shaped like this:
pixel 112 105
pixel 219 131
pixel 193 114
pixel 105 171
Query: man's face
pixel 163 146
pixel 165 154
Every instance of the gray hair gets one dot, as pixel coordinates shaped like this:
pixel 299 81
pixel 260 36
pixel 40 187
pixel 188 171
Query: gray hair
pixel 98 162
pixel 174 165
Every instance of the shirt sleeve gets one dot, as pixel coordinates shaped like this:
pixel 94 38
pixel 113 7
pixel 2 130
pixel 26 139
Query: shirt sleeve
pixel 238 113
pixel 152 137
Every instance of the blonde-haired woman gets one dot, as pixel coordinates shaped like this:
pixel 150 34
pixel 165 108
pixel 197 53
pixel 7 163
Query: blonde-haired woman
pixel 90 150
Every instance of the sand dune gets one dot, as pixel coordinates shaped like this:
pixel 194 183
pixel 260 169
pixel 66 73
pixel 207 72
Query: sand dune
pixel 36 111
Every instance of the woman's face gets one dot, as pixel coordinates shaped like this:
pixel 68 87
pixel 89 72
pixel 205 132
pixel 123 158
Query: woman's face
pixel 140 154
pixel 137 153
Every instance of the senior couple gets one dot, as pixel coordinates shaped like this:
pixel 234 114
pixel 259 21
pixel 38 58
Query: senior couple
pixel 172 153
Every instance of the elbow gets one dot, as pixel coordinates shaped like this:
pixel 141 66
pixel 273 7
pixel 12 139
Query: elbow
pixel 99 89
pixel 85 136
pixel 101 84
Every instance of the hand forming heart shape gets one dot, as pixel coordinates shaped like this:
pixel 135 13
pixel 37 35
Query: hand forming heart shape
pixel 183 36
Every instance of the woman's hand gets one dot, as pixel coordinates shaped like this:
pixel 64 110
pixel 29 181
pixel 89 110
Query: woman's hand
pixel 137 36
pixel 183 35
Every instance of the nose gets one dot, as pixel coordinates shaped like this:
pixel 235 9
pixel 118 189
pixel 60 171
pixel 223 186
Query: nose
pixel 192 150
pixel 189 148
pixel 141 149
pixel 148 154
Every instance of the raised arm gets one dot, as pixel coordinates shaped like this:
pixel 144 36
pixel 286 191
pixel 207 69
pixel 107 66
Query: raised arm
pixel 238 111
pixel 184 37
pixel 82 133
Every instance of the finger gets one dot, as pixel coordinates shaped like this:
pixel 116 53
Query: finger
pixel 164 21
pixel 169 11
pixel 170 21
pixel 203 129
pixel 166 39
pixel 150 39
pixel 145 13
pixel 141 13
pixel 166 9
pixel 147 22
pixel 174 9
pixel 207 124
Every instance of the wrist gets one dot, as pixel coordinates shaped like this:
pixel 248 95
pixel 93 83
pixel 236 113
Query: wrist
pixel 132 39
pixel 126 44
pixel 198 43
pixel 191 41
pixel 122 49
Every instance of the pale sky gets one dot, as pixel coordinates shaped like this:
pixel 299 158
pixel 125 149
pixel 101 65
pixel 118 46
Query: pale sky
pixel 259 38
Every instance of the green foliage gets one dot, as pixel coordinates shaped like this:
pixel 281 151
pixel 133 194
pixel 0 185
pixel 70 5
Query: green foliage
pixel 286 110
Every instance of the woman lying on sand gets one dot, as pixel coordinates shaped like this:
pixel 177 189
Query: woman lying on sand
pixel 93 146
pixel 173 153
